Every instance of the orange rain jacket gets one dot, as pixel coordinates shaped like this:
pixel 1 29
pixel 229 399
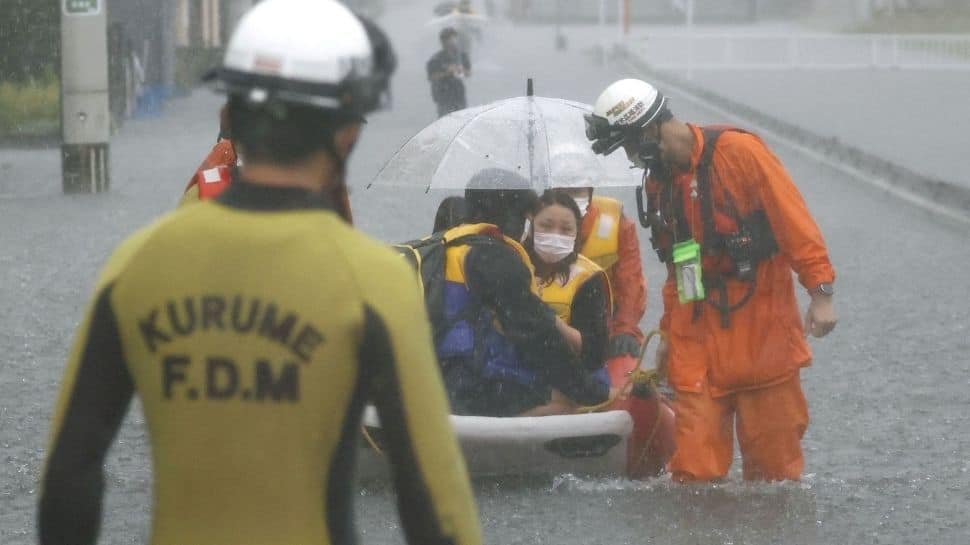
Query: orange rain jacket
pixel 764 344
pixel 224 154
pixel 626 276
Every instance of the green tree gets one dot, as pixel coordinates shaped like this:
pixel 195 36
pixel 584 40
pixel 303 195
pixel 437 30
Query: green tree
pixel 29 39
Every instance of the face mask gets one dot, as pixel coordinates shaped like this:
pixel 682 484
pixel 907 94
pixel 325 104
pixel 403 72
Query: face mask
pixel 583 204
pixel 648 158
pixel 553 248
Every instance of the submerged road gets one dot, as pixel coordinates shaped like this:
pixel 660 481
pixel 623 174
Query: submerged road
pixel 886 450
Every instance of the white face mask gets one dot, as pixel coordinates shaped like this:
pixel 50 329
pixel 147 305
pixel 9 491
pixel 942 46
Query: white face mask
pixel 553 248
pixel 583 204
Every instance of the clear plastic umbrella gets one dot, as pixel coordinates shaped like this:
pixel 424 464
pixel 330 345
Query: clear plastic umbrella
pixel 542 139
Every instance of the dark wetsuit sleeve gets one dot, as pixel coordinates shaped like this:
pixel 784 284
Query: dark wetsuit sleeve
pixel 589 316
pixel 97 392
pixel 420 511
pixel 498 277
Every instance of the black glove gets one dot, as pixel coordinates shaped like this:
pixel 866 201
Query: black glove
pixel 623 344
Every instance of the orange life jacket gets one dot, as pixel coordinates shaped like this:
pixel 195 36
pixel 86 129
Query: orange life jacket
pixel 213 181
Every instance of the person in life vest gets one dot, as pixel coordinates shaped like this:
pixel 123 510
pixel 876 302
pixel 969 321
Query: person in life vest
pixel 501 352
pixel 253 349
pixel 609 238
pixel 571 284
pixel 731 226
pixel 215 173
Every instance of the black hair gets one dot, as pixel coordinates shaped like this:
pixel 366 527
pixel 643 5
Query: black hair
pixel 451 212
pixel 281 132
pixel 547 272
pixel 446 33
pixel 500 197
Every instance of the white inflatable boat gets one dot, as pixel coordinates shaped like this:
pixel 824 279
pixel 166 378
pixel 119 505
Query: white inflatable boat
pixel 583 444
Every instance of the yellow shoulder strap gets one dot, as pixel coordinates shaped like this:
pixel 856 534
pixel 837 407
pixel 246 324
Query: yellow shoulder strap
pixel 465 229
pixel 485 229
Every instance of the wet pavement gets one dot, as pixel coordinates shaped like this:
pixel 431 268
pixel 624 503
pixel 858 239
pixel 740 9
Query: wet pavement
pixel 886 452
pixel 911 116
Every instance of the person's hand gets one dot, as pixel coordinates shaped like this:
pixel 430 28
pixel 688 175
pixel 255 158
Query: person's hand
pixel 572 336
pixel 623 344
pixel 820 318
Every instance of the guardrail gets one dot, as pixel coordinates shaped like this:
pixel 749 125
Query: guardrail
pixel 735 51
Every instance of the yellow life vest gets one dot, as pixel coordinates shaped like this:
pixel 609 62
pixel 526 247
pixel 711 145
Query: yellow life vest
pixel 455 255
pixel 602 245
pixel 455 271
pixel 560 296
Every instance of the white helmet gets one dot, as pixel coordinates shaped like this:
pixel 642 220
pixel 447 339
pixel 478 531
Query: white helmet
pixel 624 107
pixel 311 52
pixel 571 167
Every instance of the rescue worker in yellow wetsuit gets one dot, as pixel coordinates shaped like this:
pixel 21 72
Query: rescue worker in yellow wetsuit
pixel 255 326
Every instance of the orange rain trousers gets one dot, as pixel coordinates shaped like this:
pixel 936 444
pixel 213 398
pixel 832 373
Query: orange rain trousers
pixel 627 281
pixel 770 423
pixel 223 154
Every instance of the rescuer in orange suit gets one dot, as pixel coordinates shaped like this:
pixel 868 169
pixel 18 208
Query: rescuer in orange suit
pixel 731 226
pixel 215 174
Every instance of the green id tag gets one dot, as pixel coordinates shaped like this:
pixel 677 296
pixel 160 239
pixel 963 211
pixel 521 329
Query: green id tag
pixel 687 268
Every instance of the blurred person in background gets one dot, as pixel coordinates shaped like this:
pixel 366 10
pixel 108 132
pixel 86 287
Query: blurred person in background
pixel 447 70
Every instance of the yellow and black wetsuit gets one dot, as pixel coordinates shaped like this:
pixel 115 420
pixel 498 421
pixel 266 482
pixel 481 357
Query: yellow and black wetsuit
pixel 254 328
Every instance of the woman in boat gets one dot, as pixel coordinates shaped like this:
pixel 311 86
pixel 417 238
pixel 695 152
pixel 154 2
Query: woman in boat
pixel 576 288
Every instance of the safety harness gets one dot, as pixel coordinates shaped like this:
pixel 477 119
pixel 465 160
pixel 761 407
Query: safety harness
pixel 752 243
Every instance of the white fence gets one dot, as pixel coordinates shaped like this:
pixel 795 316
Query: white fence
pixel 704 51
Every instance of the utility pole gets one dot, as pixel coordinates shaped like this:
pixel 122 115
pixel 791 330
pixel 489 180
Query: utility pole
pixel 85 118
pixel 602 31
pixel 560 37
pixel 690 39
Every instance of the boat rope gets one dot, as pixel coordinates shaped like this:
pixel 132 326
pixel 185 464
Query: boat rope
pixel 635 470
pixel 636 378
